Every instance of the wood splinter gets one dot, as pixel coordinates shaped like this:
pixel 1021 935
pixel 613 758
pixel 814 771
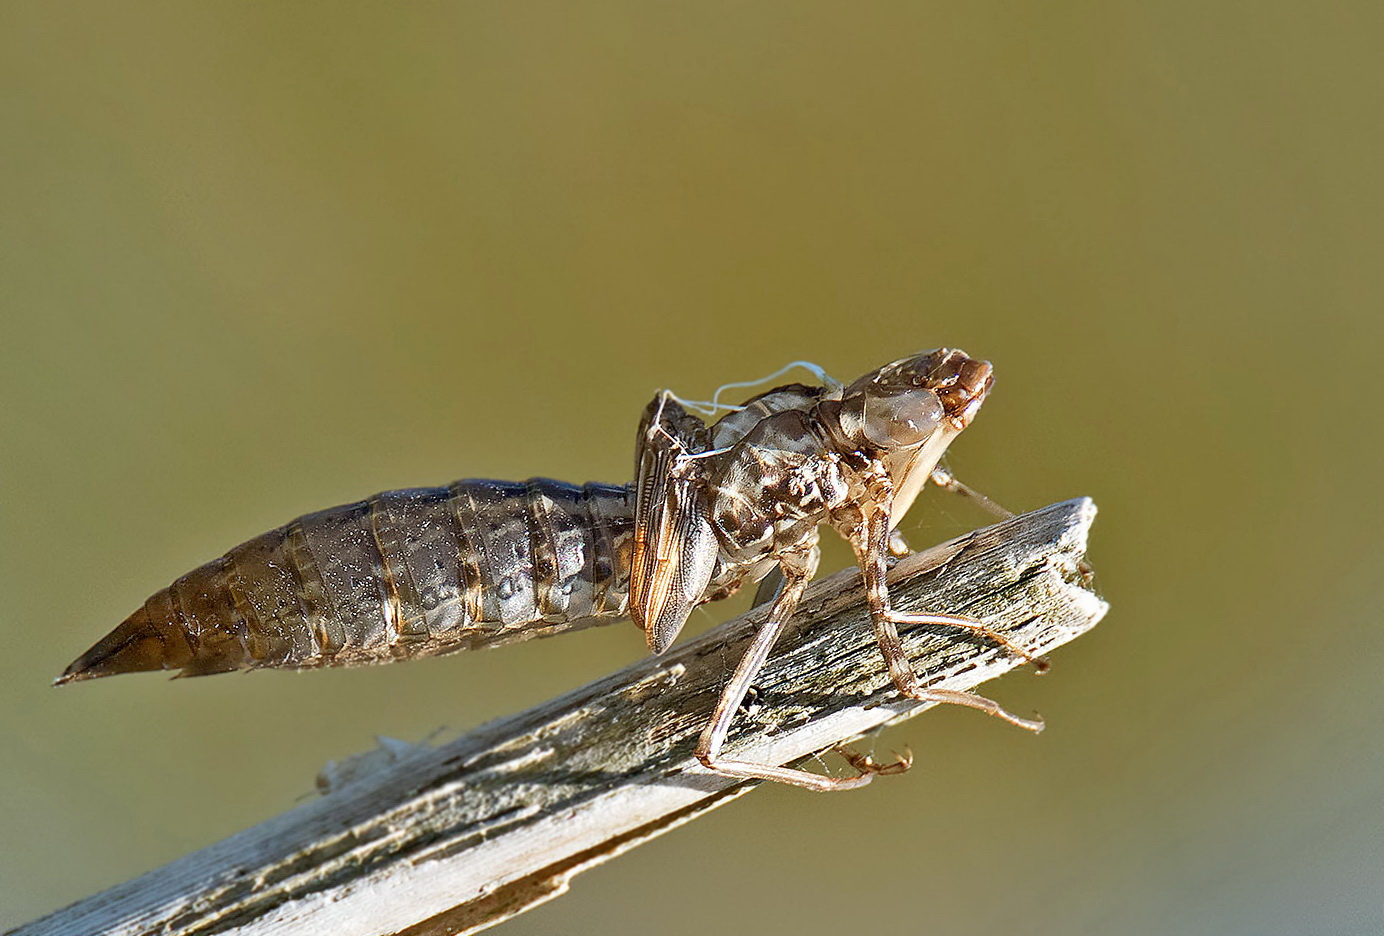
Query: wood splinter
pixel 456 838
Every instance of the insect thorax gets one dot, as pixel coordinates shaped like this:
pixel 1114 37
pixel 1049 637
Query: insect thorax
pixel 772 488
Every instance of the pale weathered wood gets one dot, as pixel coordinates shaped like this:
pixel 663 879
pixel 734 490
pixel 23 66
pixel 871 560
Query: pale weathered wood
pixel 455 838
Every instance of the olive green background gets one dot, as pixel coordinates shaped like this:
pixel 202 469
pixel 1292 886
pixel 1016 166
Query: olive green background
pixel 259 259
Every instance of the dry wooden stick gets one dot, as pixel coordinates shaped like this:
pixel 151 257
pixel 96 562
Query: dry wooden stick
pixel 456 838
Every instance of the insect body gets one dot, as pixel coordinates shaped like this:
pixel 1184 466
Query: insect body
pixel 429 571
pixel 405 574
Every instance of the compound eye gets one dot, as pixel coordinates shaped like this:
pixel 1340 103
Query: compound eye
pixel 902 419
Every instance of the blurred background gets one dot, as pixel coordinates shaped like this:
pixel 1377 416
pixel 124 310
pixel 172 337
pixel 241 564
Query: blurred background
pixel 262 259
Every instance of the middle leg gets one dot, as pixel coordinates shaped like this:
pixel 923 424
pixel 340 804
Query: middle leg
pixel 797 570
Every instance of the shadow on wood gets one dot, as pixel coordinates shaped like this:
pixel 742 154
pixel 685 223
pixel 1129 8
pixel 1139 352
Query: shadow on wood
pixel 455 838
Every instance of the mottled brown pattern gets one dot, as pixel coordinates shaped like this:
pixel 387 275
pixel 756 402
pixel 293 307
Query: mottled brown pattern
pixel 404 574
pixel 426 571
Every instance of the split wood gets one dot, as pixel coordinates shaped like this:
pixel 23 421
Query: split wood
pixel 455 838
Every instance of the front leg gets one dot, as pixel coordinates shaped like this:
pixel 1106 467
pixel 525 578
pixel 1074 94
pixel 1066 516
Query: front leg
pixel 871 546
pixel 944 479
pixel 947 481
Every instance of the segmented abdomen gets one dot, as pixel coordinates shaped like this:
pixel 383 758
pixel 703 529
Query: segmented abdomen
pixel 405 574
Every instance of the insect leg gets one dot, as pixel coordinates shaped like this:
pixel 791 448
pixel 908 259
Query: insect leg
pixel 769 588
pixel 885 620
pixel 708 751
pixel 898 546
pixel 947 481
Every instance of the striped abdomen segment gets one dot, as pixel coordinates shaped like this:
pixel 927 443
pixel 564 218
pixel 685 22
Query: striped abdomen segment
pixel 404 574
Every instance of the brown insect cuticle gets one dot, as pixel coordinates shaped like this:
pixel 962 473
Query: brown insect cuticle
pixel 429 571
